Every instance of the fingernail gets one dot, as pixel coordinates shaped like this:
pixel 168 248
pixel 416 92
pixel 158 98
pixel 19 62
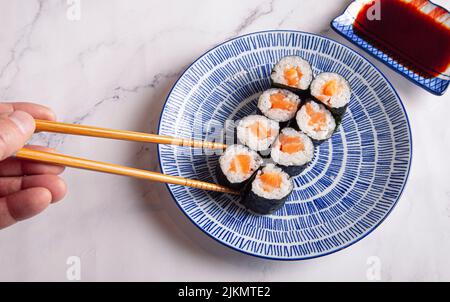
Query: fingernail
pixel 23 121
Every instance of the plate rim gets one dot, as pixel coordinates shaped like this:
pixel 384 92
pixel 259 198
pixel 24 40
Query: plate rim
pixel 296 258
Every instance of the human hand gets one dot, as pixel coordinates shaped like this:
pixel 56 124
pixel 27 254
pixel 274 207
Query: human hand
pixel 26 188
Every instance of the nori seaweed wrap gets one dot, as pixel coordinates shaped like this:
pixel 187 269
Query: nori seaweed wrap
pixel 292 151
pixel 236 166
pixel 268 191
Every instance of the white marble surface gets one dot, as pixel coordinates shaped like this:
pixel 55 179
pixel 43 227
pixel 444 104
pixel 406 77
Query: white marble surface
pixel 114 67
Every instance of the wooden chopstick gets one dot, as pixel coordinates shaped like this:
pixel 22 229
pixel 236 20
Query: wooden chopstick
pixel 74 162
pixel 57 127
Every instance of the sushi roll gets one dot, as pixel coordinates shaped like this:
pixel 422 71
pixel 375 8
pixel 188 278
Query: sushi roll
pixel 333 91
pixel 316 121
pixel 293 73
pixel 257 132
pixel 268 191
pixel 292 151
pixel 278 104
pixel 236 166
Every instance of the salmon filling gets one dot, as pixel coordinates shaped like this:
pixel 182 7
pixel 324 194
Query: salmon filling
pixel 328 90
pixel 291 144
pixel 317 119
pixel 280 101
pixel 260 130
pixel 292 76
pixel 241 162
pixel 270 181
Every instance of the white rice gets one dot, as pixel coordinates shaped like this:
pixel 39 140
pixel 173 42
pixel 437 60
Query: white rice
pixel 285 188
pixel 292 62
pixel 246 136
pixel 303 122
pixel 227 157
pixel 295 159
pixel 338 100
pixel 277 114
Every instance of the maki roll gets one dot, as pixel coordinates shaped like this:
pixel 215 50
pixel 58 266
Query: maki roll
pixel 257 132
pixel 333 91
pixel 316 121
pixel 293 73
pixel 268 191
pixel 292 151
pixel 278 104
pixel 236 166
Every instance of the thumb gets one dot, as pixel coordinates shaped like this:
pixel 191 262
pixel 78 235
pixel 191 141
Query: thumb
pixel 15 129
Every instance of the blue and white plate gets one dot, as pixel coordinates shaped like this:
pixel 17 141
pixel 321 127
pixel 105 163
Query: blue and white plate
pixel 354 181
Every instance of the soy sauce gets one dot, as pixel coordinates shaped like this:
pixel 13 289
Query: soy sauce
pixel 413 38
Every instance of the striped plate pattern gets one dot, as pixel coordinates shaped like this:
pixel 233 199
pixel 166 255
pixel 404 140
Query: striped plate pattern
pixel 354 180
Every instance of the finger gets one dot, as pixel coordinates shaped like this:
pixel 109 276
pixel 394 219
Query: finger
pixel 35 110
pixel 22 205
pixel 18 167
pixel 15 130
pixel 53 183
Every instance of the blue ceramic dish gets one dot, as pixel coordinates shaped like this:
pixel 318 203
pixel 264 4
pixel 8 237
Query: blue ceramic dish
pixel 354 180
pixel 343 25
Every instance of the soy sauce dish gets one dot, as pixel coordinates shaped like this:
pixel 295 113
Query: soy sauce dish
pixel 322 152
pixel 411 37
